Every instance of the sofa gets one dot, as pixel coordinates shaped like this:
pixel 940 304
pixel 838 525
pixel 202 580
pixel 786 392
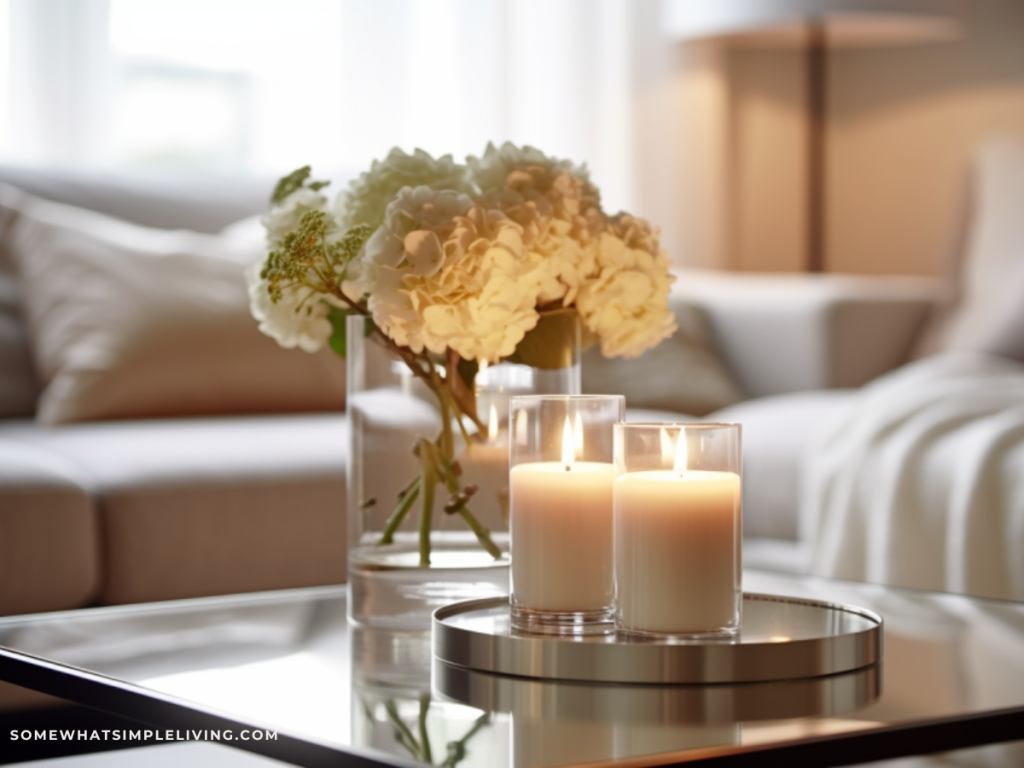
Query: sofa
pixel 112 495
pixel 154 446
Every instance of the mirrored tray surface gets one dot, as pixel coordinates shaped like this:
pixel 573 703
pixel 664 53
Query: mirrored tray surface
pixel 781 638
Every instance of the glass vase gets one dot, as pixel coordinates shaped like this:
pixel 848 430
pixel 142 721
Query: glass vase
pixel 410 552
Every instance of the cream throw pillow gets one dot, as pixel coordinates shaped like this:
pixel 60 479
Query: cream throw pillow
pixel 989 308
pixel 130 322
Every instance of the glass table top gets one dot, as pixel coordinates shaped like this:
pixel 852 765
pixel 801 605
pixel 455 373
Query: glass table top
pixel 290 662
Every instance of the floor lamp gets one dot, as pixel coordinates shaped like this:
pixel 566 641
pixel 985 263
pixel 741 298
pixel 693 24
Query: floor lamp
pixel 818 26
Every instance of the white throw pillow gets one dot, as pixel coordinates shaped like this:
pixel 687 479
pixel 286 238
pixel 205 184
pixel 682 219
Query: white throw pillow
pixel 1005 333
pixel 989 309
pixel 18 388
pixel 131 322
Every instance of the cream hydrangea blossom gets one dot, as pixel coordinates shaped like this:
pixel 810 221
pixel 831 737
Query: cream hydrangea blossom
pixel 297 319
pixel 407 245
pixel 441 273
pixel 626 305
pixel 558 208
pixel 483 302
pixel 368 197
pixel 560 262
pixel 511 177
pixel 466 258
pixel 512 166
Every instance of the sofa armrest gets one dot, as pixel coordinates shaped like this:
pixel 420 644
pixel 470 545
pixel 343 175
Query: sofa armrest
pixel 788 333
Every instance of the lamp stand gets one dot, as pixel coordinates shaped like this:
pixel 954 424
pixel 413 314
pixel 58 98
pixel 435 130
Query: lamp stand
pixel 817 105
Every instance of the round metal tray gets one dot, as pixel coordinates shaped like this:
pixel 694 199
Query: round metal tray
pixel 823 696
pixel 781 638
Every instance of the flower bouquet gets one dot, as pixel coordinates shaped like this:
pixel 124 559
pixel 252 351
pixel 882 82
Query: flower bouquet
pixel 456 267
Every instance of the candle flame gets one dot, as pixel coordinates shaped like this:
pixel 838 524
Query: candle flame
pixel 492 426
pixel 680 463
pixel 567 445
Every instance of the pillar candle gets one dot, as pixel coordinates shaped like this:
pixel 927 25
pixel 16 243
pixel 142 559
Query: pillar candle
pixel 677 550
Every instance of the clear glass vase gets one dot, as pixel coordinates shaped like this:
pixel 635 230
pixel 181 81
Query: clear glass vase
pixel 445 546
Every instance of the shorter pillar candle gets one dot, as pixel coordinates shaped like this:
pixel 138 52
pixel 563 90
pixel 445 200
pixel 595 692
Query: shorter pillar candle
pixel 677 546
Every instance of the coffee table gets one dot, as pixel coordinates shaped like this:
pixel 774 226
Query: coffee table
pixel 288 663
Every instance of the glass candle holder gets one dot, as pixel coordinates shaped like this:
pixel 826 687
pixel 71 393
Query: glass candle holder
pixel 560 486
pixel 678 529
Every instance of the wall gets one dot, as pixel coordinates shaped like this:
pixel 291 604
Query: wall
pixel 676 149
pixel 903 123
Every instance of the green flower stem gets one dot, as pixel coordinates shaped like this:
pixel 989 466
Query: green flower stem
pixel 306 258
pixel 445 396
pixel 446 443
pixel 423 367
pixel 402 733
pixel 424 736
pixel 428 474
pixel 482 534
pixel 420 748
pixel 447 474
pixel 408 498
pixel 410 358
pixel 457 749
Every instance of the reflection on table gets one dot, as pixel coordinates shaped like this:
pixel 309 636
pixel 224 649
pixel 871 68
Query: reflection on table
pixel 293 662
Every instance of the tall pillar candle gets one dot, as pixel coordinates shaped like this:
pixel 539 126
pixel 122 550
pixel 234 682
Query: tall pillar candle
pixel 560 488
pixel 678 530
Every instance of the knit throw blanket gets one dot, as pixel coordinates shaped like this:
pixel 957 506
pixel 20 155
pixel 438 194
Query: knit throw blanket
pixel 921 482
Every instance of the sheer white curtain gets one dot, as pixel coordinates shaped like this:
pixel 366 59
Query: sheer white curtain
pixel 260 87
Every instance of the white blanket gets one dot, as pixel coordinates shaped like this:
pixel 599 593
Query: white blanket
pixel 921 482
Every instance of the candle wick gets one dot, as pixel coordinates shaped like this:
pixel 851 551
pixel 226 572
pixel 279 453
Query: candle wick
pixel 566 467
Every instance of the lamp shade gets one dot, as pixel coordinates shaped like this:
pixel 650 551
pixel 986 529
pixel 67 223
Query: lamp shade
pixel 848 23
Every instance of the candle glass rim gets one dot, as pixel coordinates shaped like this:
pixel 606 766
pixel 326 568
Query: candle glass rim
pixel 680 424
pixel 567 397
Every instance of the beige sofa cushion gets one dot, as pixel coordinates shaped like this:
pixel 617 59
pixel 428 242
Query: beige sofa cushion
pixel 776 432
pixel 49 542
pixel 129 322
pixel 194 507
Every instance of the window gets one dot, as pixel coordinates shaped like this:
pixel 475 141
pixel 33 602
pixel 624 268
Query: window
pixel 261 87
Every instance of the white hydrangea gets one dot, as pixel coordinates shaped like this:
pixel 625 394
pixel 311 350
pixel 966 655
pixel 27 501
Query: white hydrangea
pixel 284 218
pixel 626 305
pixel 368 197
pixel 298 319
